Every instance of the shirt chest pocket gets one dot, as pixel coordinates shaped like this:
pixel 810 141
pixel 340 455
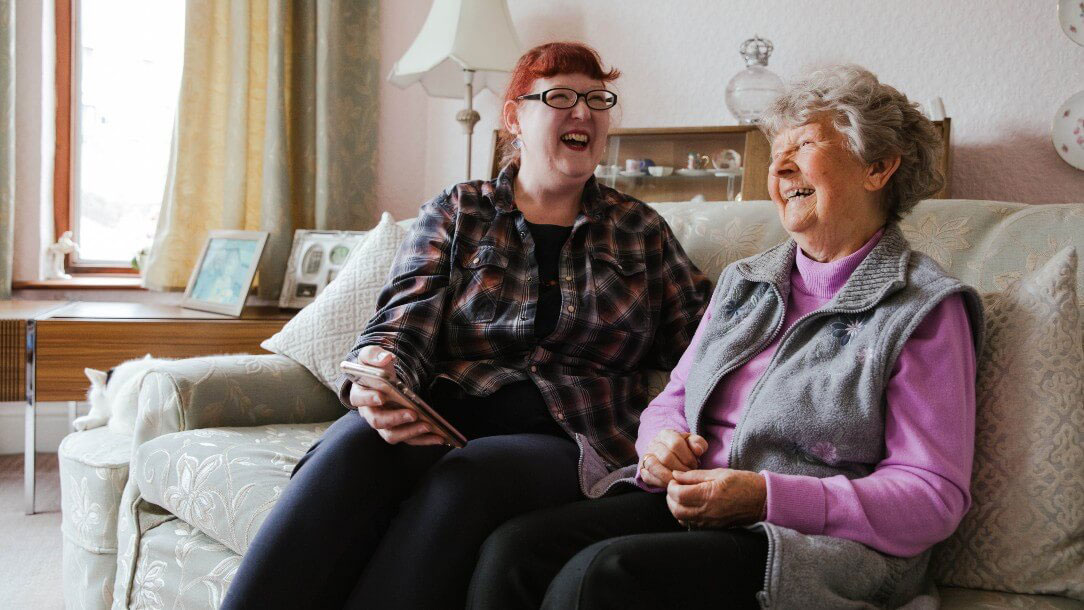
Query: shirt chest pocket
pixel 620 284
pixel 481 284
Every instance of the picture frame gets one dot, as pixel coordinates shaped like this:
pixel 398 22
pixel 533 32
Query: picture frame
pixel 316 258
pixel 222 277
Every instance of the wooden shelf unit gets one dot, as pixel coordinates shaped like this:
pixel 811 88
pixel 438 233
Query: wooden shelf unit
pixel 670 146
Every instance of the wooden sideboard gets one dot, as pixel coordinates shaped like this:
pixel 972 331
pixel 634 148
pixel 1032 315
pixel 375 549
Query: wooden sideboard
pixel 52 342
pixel 13 321
pixel 102 335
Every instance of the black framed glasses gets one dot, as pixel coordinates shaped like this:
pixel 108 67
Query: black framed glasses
pixel 564 98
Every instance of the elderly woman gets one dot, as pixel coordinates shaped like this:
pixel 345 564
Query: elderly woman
pixel 816 438
pixel 523 309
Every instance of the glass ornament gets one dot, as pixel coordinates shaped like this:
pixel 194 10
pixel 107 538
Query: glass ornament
pixel 750 92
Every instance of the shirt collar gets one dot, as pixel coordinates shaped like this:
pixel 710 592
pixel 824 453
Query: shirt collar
pixel 593 200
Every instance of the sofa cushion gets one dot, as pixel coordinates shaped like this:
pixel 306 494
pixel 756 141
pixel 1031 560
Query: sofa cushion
pixel 223 481
pixel 718 233
pixel 955 598
pixel 991 244
pixel 324 331
pixel 93 471
pixel 1025 530
pixel 986 244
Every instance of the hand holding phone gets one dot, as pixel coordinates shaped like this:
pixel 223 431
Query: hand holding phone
pixel 377 357
pixel 392 409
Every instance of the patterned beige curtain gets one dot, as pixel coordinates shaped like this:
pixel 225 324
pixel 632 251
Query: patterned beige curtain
pixel 7 143
pixel 276 129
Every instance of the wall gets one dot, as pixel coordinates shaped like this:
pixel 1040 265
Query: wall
pixel 34 134
pixel 1002 68
pixel 401 167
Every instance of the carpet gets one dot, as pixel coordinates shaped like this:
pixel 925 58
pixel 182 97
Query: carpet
pixel 30 551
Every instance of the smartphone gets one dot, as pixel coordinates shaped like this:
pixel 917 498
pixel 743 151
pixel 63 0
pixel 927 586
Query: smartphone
pixel 399 395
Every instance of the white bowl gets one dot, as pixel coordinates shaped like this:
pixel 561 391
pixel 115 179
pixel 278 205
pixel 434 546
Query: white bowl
pixel 660 170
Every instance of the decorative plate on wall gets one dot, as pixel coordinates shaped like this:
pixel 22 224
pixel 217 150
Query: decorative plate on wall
pixel 1071 16
pixel 1068 131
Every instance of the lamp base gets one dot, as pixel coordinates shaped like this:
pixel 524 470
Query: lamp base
pixel 468 118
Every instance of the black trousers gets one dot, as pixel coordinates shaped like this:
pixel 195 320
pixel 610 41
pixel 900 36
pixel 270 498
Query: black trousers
pixel 368 524
pixel 623 552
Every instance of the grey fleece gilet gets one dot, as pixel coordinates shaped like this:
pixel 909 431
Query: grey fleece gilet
pixel 819 407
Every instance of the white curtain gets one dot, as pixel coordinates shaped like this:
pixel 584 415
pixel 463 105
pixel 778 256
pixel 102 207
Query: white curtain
pixel 276 129
pixel 7 143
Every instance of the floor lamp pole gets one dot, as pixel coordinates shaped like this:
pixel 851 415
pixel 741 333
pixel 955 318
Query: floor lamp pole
pixel 468 117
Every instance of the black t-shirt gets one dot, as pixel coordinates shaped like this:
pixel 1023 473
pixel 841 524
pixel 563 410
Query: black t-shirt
pixel 517 407
pixel 548 241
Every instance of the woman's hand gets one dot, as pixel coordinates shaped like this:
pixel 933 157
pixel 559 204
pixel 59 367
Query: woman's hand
pixel 394 424
pixel 717 498
pixel 671 451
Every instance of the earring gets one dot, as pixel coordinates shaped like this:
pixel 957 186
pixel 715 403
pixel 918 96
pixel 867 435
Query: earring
pixel 517 143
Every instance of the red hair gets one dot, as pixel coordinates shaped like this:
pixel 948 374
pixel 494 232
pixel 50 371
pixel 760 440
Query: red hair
pixel 548 60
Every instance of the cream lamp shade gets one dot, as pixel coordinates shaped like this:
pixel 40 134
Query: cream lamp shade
pixel 463 47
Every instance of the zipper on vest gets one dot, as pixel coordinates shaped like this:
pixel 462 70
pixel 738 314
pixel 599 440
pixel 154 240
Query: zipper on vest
pixel 787 335
pixel 757 348
pixel 764 596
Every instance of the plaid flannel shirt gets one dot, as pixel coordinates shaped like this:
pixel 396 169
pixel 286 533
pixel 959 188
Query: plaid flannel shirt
pixel 461 297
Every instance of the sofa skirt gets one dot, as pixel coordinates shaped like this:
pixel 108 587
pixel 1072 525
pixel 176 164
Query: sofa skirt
pixel 93 472
pixel 180 567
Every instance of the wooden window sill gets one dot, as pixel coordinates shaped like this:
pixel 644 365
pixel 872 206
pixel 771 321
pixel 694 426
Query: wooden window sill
pixel 82 283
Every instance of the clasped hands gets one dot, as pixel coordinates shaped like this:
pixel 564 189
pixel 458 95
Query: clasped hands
pixel 714 498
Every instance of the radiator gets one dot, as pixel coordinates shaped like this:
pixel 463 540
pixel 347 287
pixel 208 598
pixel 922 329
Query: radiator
pixel 12 360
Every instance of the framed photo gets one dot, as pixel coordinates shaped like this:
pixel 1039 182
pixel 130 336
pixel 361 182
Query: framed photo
pixel 315 260
pixel 223 274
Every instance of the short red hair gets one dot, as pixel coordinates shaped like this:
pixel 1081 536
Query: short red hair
pixel 548 60
pixel 554 58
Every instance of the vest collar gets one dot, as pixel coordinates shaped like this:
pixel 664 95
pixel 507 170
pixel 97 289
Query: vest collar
pixel 884 270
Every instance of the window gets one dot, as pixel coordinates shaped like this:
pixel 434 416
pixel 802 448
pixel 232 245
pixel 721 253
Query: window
pixel 120 63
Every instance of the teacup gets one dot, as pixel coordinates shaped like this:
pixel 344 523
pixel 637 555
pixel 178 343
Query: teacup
pixel 660 170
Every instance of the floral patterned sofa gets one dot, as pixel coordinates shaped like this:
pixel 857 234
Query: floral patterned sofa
pixel 161 520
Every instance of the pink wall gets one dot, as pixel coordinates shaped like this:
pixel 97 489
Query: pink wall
pixel 401 166
pixel 1002 68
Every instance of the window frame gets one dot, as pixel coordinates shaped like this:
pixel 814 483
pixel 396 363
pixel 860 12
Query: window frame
pixel 65 163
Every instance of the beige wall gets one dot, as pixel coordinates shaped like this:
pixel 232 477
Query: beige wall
pixel 1002 68
pixel 34 134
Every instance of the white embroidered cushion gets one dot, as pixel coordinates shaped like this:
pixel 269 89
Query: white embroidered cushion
pixel 324 331
pixel 1025 530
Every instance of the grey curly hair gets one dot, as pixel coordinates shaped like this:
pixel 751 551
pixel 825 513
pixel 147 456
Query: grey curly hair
pixel 877 121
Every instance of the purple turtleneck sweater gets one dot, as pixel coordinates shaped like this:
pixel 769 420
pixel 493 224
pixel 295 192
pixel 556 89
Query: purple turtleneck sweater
pixel 918 493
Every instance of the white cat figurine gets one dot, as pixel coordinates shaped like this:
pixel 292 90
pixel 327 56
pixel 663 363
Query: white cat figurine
pixel 114 395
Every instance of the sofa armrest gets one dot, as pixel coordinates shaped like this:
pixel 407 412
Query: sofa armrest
pixel 236 390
